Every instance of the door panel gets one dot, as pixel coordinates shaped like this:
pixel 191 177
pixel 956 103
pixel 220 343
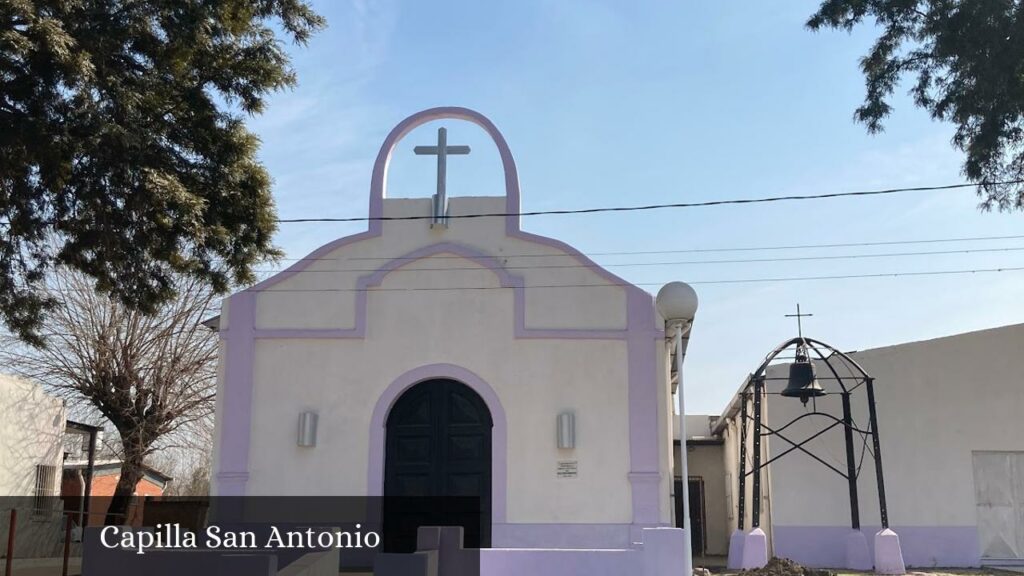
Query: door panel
pixel 438 444
pixel 697 516
pixel 999 500
pixel 698 533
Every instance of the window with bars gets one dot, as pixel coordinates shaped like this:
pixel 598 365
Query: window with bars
pixel 46 487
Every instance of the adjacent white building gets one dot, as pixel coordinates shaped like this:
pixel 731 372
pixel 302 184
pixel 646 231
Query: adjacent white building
pixel 31 439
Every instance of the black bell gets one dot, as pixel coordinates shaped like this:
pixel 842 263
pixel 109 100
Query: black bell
pixel 802 382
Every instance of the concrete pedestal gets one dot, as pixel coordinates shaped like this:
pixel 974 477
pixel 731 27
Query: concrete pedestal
pixel 735 549
pixel 755 550
pixel 858 557
pixel 888 554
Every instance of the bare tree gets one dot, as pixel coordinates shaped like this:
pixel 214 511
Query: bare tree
pixel 191 478
pixel 152 376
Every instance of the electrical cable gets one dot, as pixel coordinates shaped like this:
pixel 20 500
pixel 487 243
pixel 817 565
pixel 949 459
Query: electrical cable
pixel 707 203
pixel 692 250
pixel 674 263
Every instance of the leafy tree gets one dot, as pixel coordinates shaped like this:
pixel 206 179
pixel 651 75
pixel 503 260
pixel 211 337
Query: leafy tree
pixel 122 136
pixel 968 58
pixel 152 376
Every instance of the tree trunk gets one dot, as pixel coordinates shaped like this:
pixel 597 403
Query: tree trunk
pixel 131 473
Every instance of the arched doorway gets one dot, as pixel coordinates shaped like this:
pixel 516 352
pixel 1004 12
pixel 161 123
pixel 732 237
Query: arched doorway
pixel 438 444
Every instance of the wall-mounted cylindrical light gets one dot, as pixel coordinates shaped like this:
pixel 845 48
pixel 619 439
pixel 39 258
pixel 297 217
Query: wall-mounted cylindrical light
pixel 307 429
pixel 567 429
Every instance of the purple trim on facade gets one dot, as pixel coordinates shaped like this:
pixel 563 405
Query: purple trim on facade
pixel 643 406
pixel 923 546
pixel 310 333
pixel 315 255
pixel 507 280
pixel 378 181
pixel 659 552
pixel 642 333
pixel 562 536
pixel 233 471
pixel 499 433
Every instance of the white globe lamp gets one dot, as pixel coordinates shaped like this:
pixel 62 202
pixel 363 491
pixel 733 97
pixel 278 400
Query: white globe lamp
pixel 677 304
pixel 677 301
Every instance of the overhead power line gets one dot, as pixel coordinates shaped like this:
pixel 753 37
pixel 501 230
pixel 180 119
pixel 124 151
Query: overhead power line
pixel 694 282
pixel 734 201
pixel 654 206
pixel 679 262
pixel 687 250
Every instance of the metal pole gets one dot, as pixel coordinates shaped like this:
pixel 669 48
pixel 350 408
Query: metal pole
pixel 684 498
pixel 84 521
pixel 743 462
pixel 883 511
pixel 441 198
pixel 67 546
pixel 851 463
pixel 756 511
pixel 8 566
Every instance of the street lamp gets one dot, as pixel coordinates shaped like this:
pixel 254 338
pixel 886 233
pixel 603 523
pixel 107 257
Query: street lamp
pixel 677 304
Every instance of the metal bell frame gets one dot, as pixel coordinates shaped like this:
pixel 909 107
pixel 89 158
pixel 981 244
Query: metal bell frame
pixel 754 393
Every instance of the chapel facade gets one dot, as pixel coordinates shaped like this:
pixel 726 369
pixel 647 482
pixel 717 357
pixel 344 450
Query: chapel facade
pixel 438 357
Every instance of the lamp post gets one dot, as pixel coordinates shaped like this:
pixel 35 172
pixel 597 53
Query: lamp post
pixel 677 304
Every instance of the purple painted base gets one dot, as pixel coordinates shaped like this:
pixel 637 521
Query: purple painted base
pixel 660 554
pixel 858 556
pixel 923 546
pixel 564 536
pixel 517 562
pixel 664 552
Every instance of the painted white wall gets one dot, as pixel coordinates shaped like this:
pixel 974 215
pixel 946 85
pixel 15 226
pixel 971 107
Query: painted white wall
pixel 535 379
pixel 31 434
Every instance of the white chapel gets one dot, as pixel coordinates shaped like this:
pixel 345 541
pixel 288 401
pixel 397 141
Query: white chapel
pixel 432 354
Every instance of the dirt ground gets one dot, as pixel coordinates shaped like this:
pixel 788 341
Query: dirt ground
pixel 783 567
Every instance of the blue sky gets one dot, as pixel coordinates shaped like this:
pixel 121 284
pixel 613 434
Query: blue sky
pixel 608 103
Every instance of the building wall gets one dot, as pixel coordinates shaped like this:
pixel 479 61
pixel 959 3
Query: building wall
pixel 707 462
pixel 570 349
pixel 31 434
pixel 940 402
pixel 103 486
pixel 730 430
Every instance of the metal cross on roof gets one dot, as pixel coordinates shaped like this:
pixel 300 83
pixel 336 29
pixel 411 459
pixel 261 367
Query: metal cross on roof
pixel 799 317
pixel 442 150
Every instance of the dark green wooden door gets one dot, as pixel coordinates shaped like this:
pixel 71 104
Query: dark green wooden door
pixel 438 444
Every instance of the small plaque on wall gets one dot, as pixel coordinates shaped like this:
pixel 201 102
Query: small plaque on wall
pixel 568 468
